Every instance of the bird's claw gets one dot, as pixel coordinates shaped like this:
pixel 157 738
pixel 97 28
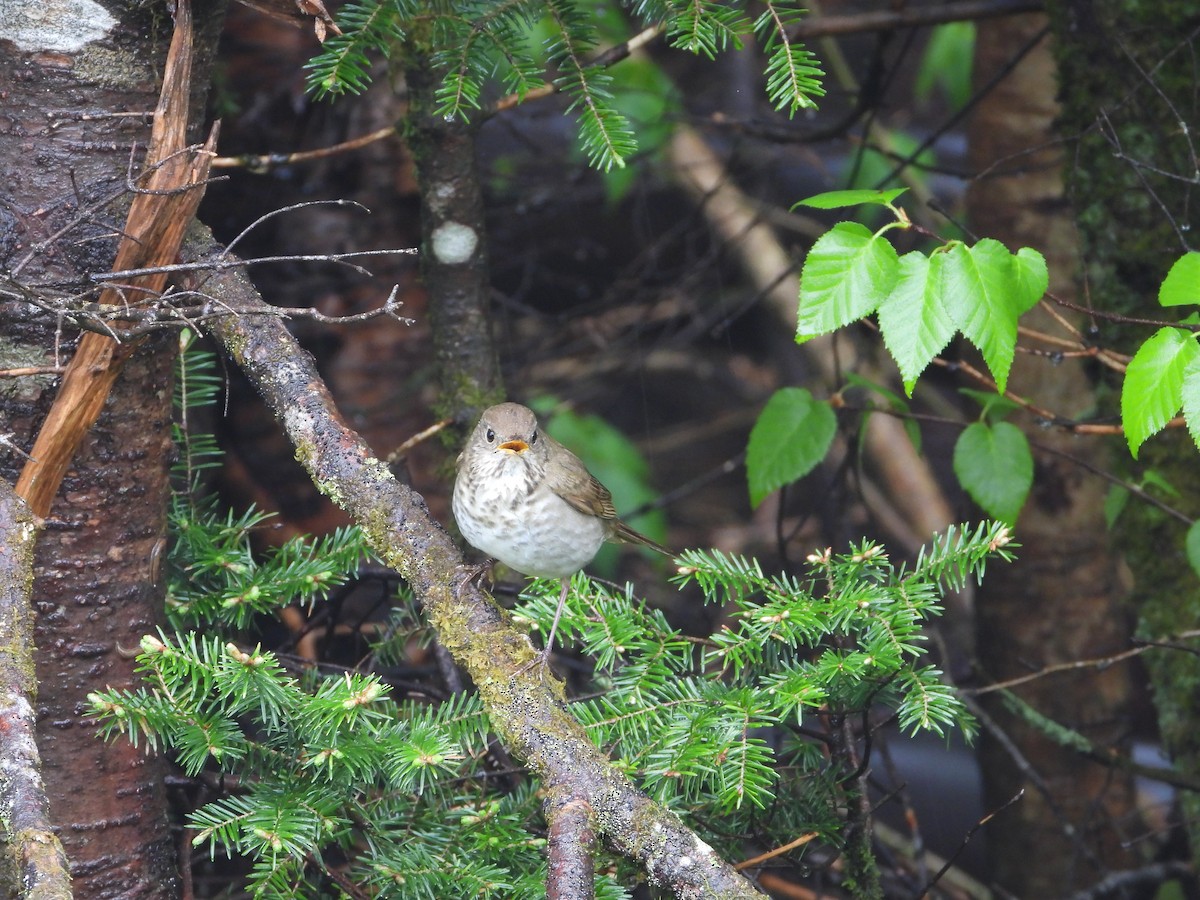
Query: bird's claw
pixel 474 573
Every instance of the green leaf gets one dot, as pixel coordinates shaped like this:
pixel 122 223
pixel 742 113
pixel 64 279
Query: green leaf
pixel 1191 399
pixel 1153 389
pixel 1182 284
pixel 993 406
pixel 913 317
pixel 1192 546
pixel 791 436
pixel 1032 277
pixel 839 199
pixel 946 64
pixel 848 273
pixel 1115 502
pixel 983 297
pixel 1154 478
pixel 995 467
pixel 894 400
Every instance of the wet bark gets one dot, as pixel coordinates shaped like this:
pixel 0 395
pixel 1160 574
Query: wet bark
pixel 1061 601
pixel 454 266
pixel 1130 96
pixel 31 856
pixel 77 99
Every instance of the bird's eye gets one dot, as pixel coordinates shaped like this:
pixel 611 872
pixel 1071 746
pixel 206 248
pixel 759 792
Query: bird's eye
pixel 491 436
pixel 533 439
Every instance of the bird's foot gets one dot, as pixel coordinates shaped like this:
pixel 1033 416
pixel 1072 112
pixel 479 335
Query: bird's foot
pixel 475 573
pixel 540 663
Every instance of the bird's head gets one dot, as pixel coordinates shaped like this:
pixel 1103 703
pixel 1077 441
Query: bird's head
pixel 510 431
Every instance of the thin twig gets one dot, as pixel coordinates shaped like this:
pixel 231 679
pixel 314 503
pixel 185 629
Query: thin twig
pixel 778 851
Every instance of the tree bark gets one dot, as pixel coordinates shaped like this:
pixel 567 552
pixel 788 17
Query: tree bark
pixel 454 267
pixel 31 856
pixel 1061 601
pixel 80 83
pixel 1130 95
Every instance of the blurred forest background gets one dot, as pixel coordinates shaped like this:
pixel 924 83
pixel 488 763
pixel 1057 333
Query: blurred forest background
pixel 657 301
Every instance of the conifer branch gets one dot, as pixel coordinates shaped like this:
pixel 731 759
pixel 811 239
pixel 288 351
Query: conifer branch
pixel 523 709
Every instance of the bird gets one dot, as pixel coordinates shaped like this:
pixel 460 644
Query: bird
pixel 524 499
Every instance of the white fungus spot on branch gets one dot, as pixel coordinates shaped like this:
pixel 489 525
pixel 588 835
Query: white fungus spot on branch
pixel 453 243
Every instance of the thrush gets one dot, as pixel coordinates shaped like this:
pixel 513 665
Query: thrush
pixel 523 498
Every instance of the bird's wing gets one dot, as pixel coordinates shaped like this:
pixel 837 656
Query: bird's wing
pixel 578 487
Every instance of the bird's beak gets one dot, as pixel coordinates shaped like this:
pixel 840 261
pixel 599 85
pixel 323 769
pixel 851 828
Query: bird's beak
pixel 514 446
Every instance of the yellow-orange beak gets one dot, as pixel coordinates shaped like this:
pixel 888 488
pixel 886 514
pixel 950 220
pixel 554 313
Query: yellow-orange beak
pixel 514 446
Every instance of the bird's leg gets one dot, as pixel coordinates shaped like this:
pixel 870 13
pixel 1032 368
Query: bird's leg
pixel 562 601
pixel 542 660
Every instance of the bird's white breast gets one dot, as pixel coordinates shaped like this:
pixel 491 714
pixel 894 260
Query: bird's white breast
pixel 529 529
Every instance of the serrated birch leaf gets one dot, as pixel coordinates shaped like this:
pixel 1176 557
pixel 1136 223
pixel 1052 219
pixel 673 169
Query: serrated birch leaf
pixel 1190 395
pixel 1153 388
pixel 980 293
pixel 1032 277
pixel 848 272
pixel 791 436
pixel 913 318
pixel 1182 284
pixel 994 466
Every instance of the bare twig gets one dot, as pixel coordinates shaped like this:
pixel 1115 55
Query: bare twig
pixel 940 873
pixel 911 16
pixel 1138 881
pixel 419 438
pixel 107 278
pixel 264 162
pixel 778 851
pixel 26 371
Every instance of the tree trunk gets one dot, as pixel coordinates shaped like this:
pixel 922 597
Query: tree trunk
pixel 1060 602
pixel 454 265
pixel 79 86
pixel 1130 93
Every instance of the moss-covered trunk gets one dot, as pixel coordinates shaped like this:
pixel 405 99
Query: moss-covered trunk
pixel 1130 94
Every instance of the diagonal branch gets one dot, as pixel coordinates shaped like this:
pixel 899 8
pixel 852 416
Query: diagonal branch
pixel 528 713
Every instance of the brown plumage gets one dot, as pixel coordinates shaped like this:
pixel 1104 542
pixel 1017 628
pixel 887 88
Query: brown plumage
pixel 525 499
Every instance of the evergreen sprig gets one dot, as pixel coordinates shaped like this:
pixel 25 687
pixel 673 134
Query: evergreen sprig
pixel 475 45
pixel 368 26
pixel 309 762
pixel 215 575
pixel 481 39
pixel 706 27
pixel 325 766
pixel 793 75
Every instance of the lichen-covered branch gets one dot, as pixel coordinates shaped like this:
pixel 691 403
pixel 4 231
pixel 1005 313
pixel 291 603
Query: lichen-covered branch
pixel 32 861
pixel 528 713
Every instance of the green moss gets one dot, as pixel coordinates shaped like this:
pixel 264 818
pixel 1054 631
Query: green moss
pixel 1131 209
